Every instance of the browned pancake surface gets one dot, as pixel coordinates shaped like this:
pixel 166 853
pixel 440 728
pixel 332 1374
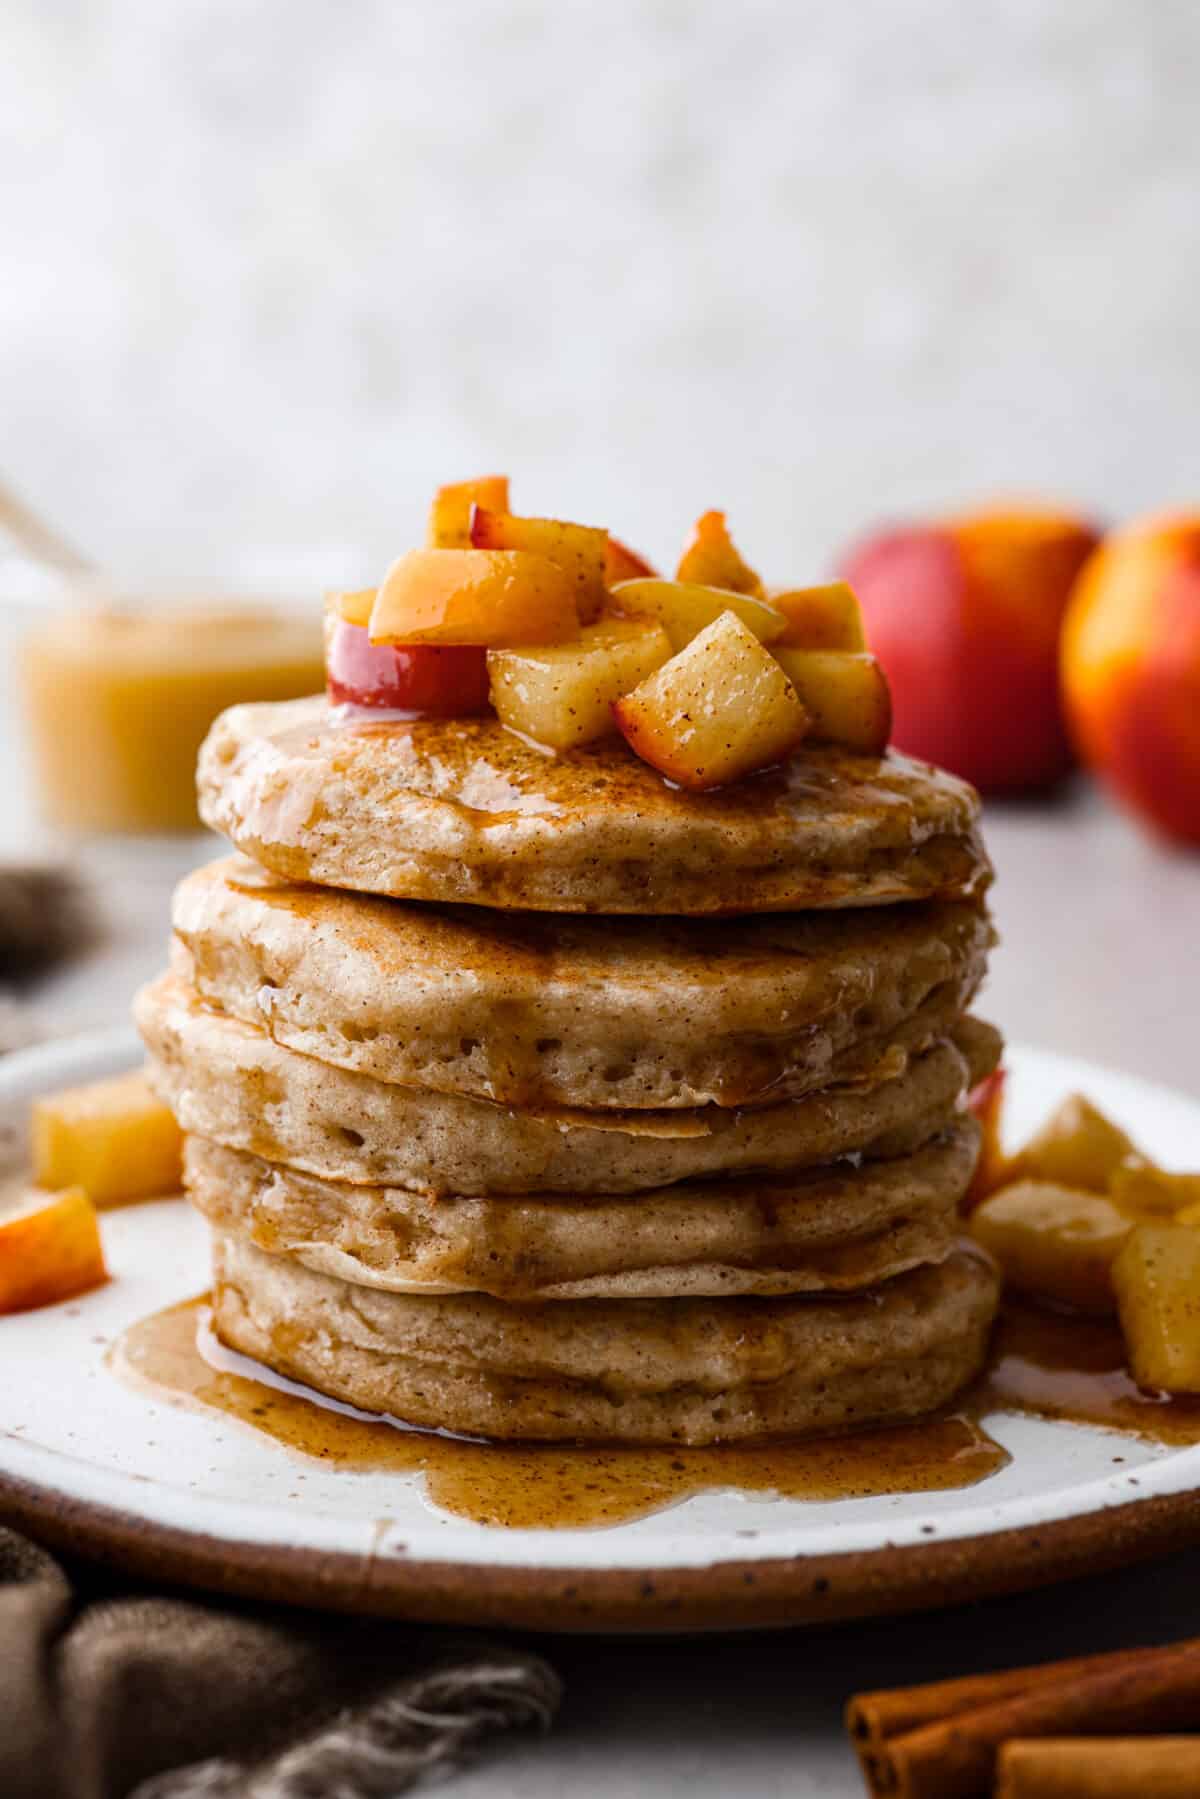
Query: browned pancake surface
pixel 541 1009
pixel 844 1226
pixel 463 810
pixel 230 1081
pixel 629 1371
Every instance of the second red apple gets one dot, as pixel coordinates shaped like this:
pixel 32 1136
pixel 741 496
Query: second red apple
pixel 965 617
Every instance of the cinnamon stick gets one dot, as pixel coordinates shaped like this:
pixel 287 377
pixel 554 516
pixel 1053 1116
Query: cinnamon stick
pixel 953 1756
pixel 1100 1768
pixel 873 1718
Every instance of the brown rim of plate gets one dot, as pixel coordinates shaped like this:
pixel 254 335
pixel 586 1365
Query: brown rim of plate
pixel 734 1595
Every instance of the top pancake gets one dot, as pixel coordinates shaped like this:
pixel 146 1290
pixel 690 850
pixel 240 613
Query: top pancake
pixel 462 809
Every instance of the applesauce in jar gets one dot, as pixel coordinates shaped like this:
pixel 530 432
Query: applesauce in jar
pixel 119 697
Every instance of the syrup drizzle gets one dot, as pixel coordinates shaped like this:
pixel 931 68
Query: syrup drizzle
pixel 1042 1364
pixel 1060 1365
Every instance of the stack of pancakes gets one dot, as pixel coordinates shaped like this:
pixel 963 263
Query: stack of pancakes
pixel 530 1097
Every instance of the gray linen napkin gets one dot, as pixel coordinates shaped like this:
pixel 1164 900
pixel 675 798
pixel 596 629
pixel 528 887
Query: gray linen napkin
pixel 46 916
pixel 120 1694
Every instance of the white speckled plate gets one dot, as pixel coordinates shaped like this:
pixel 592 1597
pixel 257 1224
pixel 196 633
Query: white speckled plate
pixel 90 1463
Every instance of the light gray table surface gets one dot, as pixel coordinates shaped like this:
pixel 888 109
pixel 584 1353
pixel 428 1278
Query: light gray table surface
pixel 1099 958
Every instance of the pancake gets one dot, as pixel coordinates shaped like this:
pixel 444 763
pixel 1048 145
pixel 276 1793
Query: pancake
pixel 837 1228
pixel 230 1081
pixel 464 810
pixel 538 1009
pixel 631 1371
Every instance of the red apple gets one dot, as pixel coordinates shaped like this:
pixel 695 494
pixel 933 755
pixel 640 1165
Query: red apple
pixel 446 681
pixel 1131 670
pixel 965 618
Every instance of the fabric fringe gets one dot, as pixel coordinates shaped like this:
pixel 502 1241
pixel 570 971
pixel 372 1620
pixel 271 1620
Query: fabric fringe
pixel 384 1748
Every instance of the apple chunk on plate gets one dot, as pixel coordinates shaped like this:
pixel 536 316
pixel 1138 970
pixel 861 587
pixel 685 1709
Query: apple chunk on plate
pixel 1140 1187
pixel 580 550
pixel 1157 1281
pixel 49 1250
pixel 685 608
pixel 718 710
pixel 490 597
pixel 562 694
pixel 1078 1146
pixel 1057 1243
pixel 114 1138
pixel 846 694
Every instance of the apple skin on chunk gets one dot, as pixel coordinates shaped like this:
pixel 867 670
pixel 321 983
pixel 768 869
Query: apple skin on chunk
pixel 718 710
pixel 562 694
pixel 846 694
pixel 685 608
pixel 821 618
pixel 450 515
pixel 623 564
pixel 435 680
pixel 50 1250
pixel 986 1103
pixel 579 550
pixel 712 558
pixel 495 598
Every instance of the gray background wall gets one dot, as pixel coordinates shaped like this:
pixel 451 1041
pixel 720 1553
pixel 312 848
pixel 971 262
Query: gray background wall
pixel 273 267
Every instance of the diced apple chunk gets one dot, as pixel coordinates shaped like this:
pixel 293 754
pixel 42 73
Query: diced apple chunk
pixel 577 549
pixel 1054 1242
pixel 562 695
pixel 1157 1282
pixel 623 564
pixel 991 1169
pixel 113 1138
pixel 1140 1187
pixel 712 558
pixel 685 608
pixel 450 514
pixel 821 618
pixel 846 694
pixel 354 607
pixel 718 710
pixel 1077 1147
pixel 494 598
pixel 49 1250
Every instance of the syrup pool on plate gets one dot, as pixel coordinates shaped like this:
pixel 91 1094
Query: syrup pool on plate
pixel 173 1355
pixel 1041 1364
